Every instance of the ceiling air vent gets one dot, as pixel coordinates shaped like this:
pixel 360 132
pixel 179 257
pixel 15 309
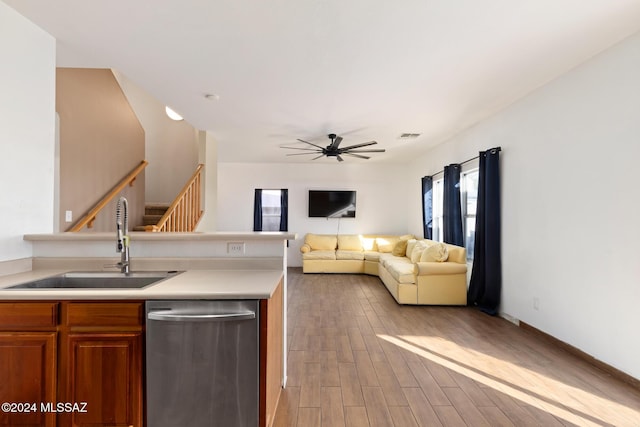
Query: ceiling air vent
pixel 409 135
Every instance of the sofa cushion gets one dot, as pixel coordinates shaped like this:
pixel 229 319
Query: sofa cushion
pixel 386 244
pixel 386 257
pixel 369 243
pixel 342 254
pixel 402 270
pixel 320 255
pixel 349 242
pixel 400 248
pixel 321 242
pixel 437 252
pixel 372 256
pixel 419 247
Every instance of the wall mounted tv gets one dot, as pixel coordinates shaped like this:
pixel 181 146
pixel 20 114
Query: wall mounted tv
pixel 332 204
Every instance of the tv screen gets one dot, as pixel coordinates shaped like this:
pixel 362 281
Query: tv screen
pixel 332 204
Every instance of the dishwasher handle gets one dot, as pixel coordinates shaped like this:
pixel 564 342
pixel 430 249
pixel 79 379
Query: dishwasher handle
pixel 176 316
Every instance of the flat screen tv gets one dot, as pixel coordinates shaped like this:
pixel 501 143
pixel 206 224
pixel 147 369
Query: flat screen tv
pixel 332 204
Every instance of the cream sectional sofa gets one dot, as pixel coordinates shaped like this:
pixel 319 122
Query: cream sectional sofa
pixel 415 271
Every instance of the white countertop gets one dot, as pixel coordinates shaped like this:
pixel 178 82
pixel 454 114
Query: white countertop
pixel 163 237
pixel 191 284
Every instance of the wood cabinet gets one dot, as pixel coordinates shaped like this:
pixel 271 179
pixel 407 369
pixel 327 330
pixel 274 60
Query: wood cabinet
pixel 84 353
pixel 28 347
pixel 271 355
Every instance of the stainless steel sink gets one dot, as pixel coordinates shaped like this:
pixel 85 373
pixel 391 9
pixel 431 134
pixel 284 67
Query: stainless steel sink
pixel 98 280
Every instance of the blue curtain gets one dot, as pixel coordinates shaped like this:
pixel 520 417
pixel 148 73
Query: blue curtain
pixel 257 210
pixel 284 210
pixel 452 209
pixel 427 207
pixel 486 276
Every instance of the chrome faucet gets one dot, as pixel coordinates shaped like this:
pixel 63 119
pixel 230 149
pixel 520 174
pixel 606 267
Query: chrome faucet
pixel 122 234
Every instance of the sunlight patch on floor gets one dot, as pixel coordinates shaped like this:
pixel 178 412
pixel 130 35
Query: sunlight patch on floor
pixel 490 376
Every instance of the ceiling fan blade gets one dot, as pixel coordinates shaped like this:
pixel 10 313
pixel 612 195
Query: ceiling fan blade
pixel 356 155
pixel 301 154
pixel 310 143
pixel 321 155
pixel 336 142
pixel 364 144
pixel 377 150
pixel 298 148
pixel 340 159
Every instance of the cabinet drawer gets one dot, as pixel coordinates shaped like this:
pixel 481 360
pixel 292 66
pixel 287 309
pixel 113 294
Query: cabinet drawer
pixel 18 315
pixel 103 313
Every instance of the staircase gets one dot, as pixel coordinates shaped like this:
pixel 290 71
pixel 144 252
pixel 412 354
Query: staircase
pixel 152 214
pixel 182 215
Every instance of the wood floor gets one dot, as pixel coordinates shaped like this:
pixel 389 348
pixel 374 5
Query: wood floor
pixel 356 358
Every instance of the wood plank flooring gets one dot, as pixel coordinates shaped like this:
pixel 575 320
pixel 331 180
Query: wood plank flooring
pixel 356 358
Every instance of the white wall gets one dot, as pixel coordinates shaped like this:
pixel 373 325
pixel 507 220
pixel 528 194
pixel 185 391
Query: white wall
pixel 208 156
pixel 571 198
pixel 27 132
pixel 171 147
pixel 380 199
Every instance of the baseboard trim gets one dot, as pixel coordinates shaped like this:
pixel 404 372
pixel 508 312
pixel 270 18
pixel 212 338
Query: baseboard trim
pixel 610 370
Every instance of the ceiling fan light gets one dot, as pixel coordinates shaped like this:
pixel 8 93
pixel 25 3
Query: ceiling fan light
pixel 172 114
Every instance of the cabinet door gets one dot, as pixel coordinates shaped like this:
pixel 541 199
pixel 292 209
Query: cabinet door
pixel 104 370
pixel 27 377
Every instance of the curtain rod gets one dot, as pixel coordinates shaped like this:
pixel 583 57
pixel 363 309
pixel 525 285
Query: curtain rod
pixel 496 149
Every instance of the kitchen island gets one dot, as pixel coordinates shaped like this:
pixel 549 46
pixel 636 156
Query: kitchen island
pixel 87 345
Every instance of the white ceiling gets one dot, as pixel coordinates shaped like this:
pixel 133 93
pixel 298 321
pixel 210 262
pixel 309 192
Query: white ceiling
pixel 364 69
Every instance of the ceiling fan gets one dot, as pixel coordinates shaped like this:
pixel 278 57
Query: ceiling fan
pixel 334 150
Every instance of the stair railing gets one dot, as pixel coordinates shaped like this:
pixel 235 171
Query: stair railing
pixel 186 210
pixel 90 217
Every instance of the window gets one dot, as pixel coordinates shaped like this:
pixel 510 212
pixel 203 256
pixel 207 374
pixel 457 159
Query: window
pixel 270 210
pixel 438 197
pixel 469 198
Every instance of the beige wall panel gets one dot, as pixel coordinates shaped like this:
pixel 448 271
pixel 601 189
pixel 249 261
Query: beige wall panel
pixel 101 141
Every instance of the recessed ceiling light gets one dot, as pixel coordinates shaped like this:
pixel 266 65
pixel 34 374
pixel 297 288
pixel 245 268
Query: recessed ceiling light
pixel 172 114
pixel 409 135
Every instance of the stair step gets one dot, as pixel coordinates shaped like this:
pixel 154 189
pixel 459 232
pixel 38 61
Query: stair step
pixel 153 212
pixel 151 219
pixel 156 208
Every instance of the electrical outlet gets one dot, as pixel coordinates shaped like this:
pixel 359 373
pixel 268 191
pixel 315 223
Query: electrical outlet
pixel 235 248
pixel 68 216
pixel 536 304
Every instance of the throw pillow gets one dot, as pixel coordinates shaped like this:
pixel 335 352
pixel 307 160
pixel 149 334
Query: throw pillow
pixel 411 243
pixel 437 252
pixel 400 249
pixel 386 244
pixel 417 251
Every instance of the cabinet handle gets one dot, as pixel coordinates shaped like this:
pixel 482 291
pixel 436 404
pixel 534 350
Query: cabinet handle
pixel 172 316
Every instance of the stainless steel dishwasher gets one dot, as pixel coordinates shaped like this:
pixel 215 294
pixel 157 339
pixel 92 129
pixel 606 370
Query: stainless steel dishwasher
pixel 202 363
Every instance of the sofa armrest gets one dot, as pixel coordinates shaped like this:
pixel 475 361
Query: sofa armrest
pixel 432 268
pixel 305 248
pixel 457 254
